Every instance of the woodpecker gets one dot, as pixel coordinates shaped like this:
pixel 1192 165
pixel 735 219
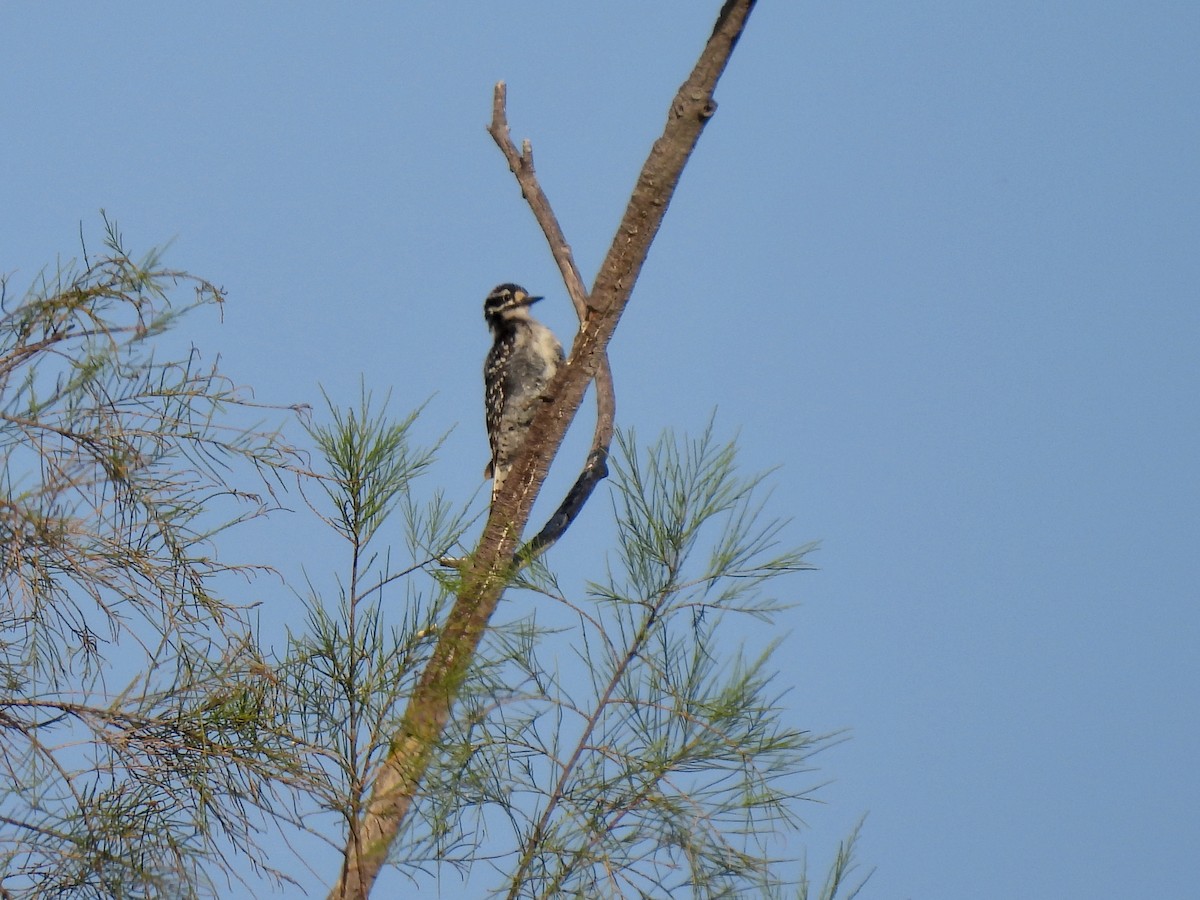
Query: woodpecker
pixel 525 355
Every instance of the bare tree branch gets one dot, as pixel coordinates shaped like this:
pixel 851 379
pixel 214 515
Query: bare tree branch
pixel 488 570
pixel 596 466
pixel 521 164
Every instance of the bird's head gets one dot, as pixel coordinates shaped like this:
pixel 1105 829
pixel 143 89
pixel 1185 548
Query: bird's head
pixel 507 303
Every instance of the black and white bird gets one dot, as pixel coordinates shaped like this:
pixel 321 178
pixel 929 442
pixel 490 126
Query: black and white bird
pixel 525 355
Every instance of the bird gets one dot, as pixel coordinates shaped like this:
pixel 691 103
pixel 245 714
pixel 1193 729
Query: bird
pixel 523 358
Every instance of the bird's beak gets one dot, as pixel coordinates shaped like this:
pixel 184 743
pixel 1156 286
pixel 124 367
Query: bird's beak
pixel 531 300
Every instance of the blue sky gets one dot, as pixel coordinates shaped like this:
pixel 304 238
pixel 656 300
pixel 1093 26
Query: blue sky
pixel 938 261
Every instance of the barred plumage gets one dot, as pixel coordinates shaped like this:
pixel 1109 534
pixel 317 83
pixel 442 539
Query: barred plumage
pixel 524 356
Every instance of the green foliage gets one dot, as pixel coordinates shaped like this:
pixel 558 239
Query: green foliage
pixel 130 729
pixel 371 463
pixel 838 884
pixel 673 767
pixel 349 671
pixel 656 760
pixel 615 739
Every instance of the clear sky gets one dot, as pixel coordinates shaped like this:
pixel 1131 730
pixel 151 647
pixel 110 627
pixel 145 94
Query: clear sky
pixel 939 261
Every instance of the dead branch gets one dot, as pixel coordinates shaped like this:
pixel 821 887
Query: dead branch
pixel 596 465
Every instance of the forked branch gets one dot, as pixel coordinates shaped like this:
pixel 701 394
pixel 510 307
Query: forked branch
pixel 595 467
pixel 487 571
